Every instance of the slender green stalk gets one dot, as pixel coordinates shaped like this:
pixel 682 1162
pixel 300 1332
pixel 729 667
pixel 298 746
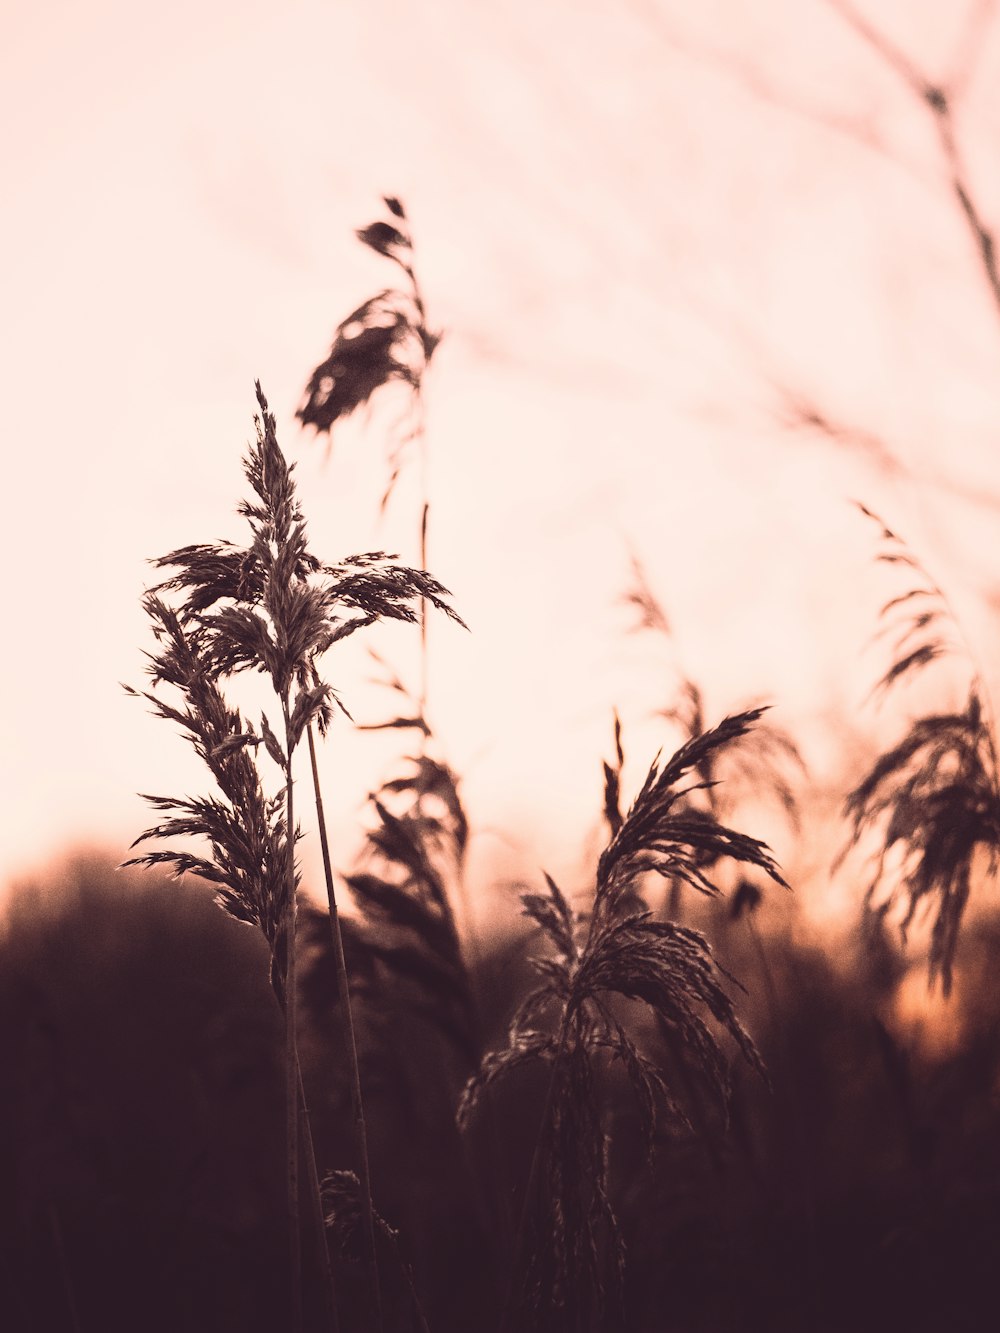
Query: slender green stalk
pixel 344 995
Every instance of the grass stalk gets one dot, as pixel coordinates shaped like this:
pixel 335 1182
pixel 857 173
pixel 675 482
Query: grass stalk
pixel 291 1049
pixel 347 1019
pixel 423 617
pixel 534 1173
pixel 316 1206
pixel 537 1156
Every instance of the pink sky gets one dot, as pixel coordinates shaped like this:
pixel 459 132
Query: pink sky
pixel 634 222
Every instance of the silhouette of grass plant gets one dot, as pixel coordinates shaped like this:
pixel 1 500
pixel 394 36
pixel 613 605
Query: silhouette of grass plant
pixel 270 607
pixel 933 799
pixel 386 339
pixel 573 1022
pixel 414 852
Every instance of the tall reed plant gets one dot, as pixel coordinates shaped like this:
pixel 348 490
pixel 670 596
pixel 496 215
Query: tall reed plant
pixel 272 607
pixel 413 860
pixel 603 970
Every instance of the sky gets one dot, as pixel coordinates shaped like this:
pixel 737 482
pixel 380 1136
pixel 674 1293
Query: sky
pixel 647 230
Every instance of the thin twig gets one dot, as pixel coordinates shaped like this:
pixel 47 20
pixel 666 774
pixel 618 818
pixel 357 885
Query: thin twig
pixel 939 101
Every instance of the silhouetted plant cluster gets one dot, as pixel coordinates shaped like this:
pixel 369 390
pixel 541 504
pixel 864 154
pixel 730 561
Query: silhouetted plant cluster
pixel 623 1154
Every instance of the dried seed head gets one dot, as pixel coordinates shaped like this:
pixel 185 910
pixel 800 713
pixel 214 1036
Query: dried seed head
pixel 934 798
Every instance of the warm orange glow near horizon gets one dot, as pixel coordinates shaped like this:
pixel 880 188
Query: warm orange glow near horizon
pixel 647 231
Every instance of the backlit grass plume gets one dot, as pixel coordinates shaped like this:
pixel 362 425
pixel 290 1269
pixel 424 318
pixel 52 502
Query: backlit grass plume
pixel 272 607
pixel 414 853
pixel 411 864
pixel 575 1020
pixel 269 606
pixel 245 829
pixel 933 799
pixel 385 339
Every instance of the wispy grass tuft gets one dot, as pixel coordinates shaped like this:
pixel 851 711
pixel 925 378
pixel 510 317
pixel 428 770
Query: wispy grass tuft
pixel 933 799
pixel 573 1022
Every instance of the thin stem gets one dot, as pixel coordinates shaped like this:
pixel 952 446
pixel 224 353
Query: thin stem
pixel 939 103
pixel 344 997
pixel 982 236
pixel 291 1047
pixel 316 1202
pixel 420 433
pixel 536 1157
pixel 520 1237
pixel 423 619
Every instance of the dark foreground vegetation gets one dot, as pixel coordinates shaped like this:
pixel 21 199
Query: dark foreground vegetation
pixel 143 1117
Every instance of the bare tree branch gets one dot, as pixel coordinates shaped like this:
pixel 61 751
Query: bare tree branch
pixel 852 127
pixel 799 412
pixel 940 102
